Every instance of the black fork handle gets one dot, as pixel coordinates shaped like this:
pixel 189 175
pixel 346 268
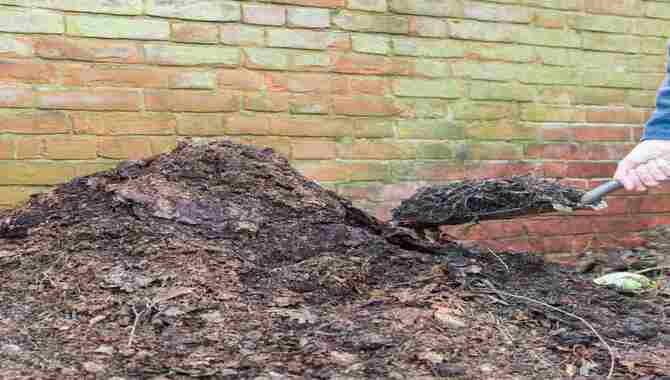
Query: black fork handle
pixel 594 195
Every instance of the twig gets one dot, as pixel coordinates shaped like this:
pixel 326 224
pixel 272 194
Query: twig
pixel 584 321
pixel 652 269
pixel 499 258
pixel 137 319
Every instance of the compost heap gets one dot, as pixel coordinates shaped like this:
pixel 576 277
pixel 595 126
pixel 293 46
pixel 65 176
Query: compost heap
pixel 220 261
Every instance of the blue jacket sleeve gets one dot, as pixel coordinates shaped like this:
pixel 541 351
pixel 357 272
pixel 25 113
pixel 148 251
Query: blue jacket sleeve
pixel 658 125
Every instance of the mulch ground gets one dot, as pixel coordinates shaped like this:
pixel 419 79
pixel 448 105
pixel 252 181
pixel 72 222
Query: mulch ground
pixel 220 261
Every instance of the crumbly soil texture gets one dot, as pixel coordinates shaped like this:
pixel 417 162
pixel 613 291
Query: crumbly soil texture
pixel 496 198
pixel 220 261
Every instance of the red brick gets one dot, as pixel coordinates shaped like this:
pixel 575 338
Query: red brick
pixel 263 14
pixel 315 3
pixel 34 173
pixel 27 72
pixel 369 86
pixel 614 115
pixel 363 64
pixel 190 101
pixel 599 134
pixel 309 104
pixel 495 169
pixel 162 144
pixel 368 171
pixel 34 122
pixel 311 61
pixel 549 226
pixel 195 32
pixel 13 46
pixel 655 203
pixel 86 75
pixel 663 188
pixel 90 99
pixel 308 83
pixel 495 151
pixel 270 102
pixel 551 244
pixel 16 96
pixel 339 41
pixel 550 20
pixel 310 127
pixel 577 183
pixel 324 170
pixel 607 151
pixel 627 223
pixel 123 123
pixel 582 224
pixel 376 150
pixel 554 169
pixel 6 148
pixel 243 80
pixel 504 129
pixel 28 147
pixel 313 149
pixel 246 125
pixel 69 147
pixel 200 125
pixel 557 133
pixel 124 147
pixel 55 47
pixel 340 85
pixel 276 81
pixel 613 7
pixel 365 106
pixel 626 240
pixel 439 171
pixel 498 229
pixel 556 151
pixel 518 245
pixel 590 169
pixel 277 144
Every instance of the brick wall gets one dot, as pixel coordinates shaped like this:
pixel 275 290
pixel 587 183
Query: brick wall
pixel 372 98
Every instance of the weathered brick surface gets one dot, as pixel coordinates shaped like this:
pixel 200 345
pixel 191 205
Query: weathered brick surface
pixel 23 20
pixel 117 27
pixel 195 9
pixel 372 97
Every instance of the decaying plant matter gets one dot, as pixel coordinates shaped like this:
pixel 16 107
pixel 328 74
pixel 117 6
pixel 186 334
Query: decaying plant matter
pixel 474 200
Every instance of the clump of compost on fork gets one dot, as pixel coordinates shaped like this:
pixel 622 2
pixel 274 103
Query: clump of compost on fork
pixel 475 200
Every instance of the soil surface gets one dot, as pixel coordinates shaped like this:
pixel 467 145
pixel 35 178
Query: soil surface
pixel 220 261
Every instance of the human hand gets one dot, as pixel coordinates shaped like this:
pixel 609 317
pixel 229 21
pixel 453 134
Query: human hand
pixel 645 166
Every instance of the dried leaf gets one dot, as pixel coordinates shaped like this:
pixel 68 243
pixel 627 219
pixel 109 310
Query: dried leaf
pixel 168 294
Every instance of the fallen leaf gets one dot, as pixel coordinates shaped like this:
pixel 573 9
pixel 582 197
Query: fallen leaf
pixel 168 294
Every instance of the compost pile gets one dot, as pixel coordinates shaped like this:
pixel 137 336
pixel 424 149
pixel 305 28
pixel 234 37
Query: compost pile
pixel 220 261
pixel 474 200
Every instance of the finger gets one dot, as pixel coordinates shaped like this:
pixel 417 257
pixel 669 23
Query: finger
pixel 644 174
pixel 656 171
pixel 629 180
pixel 664 166
pixel 637 184
pixel 622 175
